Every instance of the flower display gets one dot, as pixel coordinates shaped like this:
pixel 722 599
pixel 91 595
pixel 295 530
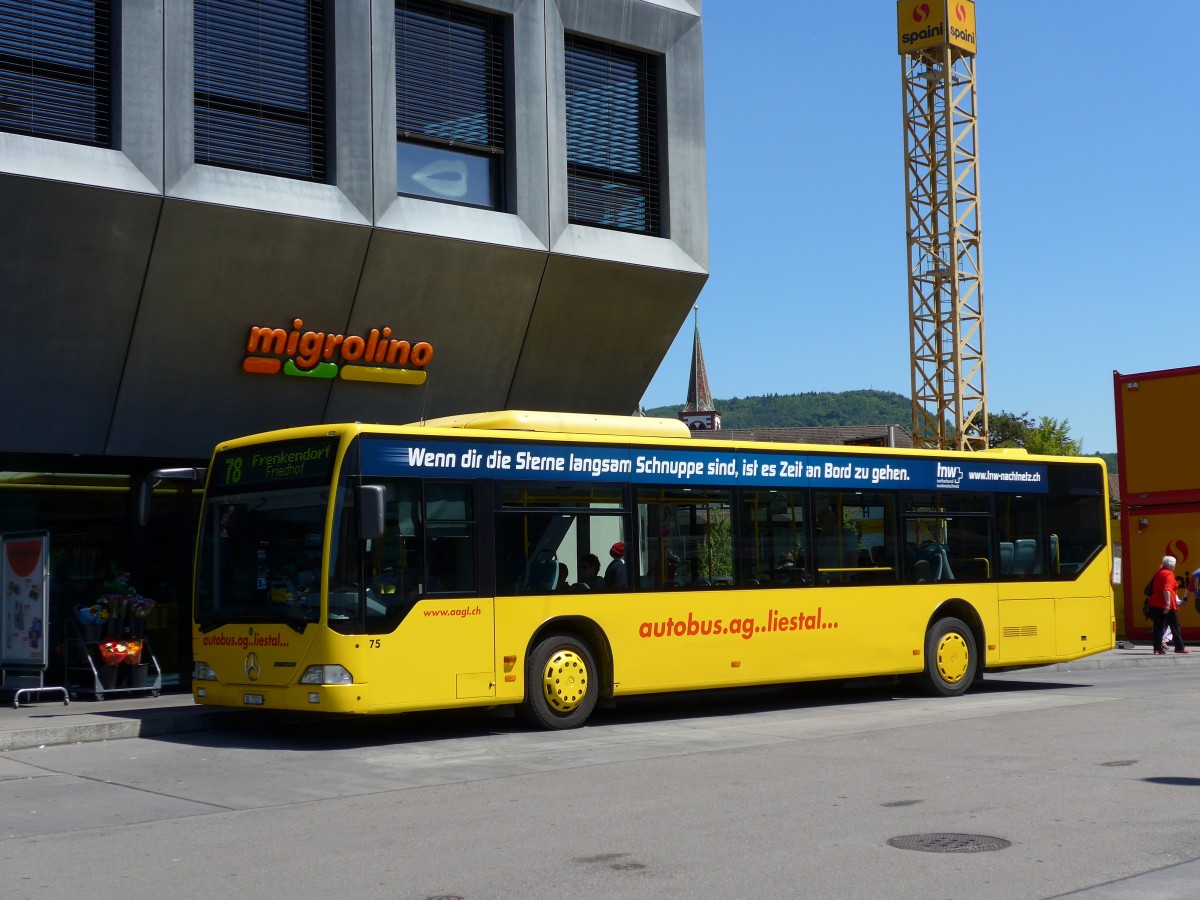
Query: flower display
pixel 117 605
pixel 120 601
pixel 93 614
pixel 113 651
pixel 133 652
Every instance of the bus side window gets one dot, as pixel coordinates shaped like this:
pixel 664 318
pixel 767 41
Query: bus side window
pixel 1025 557
pixel 449 538
pixel 688 538
pixel 772 543
pixel 1075 520
pixel 854 539
pixel 529 548
pixel 1006 557
pixel 1018 525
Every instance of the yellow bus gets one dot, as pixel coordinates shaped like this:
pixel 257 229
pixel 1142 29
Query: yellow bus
pixel 551 561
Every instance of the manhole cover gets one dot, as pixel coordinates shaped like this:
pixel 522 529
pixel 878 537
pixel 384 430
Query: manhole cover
pixel 1120 762
pixel 949 843
pixel 627 866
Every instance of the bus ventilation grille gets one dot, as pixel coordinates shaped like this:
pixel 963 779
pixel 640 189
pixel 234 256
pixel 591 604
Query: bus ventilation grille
pixel 1014 631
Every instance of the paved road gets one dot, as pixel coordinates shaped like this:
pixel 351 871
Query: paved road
pixel 1091 777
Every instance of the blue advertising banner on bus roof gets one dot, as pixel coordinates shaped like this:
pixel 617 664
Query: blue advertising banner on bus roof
pixel 642 465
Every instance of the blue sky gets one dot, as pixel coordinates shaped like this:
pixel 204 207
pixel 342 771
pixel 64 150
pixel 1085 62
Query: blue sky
pixel 1089 116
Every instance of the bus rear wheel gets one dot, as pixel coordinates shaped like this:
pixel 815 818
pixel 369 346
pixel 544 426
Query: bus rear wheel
pixel 560 683
pixel 951 659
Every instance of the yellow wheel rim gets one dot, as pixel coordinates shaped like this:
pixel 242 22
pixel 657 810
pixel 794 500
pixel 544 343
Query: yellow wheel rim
pixel 953 658
pixel 565 681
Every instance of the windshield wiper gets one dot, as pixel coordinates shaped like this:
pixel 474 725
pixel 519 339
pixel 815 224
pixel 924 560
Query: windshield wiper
pixel 207 625
pixel 212 623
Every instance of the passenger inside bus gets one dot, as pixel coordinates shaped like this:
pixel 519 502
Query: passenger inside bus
pixel 615 577
pixel 589 574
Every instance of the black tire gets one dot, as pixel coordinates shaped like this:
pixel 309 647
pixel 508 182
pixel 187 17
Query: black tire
pixel 561 683
pixel 951 658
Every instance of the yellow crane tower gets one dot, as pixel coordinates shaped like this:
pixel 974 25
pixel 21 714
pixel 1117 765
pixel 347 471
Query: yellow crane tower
pixel 937 43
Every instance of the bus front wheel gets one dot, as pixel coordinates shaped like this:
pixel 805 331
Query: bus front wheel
pixel 561 683
pixel 951 659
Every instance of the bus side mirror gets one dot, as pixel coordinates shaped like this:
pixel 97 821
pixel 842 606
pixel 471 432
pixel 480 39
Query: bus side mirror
pixel 157 477
pixel 371 503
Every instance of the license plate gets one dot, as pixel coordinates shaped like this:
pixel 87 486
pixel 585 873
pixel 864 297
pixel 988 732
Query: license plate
pixel 252 699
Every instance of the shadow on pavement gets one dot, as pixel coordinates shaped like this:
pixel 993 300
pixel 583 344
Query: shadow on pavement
pixel 271 729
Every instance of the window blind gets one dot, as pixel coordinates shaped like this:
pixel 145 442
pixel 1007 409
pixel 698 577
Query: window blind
pixel 260 86
pixel 55 69
pixel 449 104
pixel 449 76
pixel 612 137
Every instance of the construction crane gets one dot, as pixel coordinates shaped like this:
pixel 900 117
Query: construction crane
pixel 937 43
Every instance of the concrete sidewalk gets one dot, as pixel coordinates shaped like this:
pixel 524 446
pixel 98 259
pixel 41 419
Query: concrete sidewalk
pixel 84 720
pixel 51 722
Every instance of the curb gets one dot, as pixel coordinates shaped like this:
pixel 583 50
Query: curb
pixel 1133 662
pixel 136 723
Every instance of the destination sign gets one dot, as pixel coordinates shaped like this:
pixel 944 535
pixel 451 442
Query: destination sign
pixel 284 464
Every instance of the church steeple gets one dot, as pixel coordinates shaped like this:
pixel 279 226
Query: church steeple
pixel 699 413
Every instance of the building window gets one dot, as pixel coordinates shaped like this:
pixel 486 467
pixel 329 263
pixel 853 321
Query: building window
pixel 55 68
pixel 612 137
pixel 260 86
pixel 449 104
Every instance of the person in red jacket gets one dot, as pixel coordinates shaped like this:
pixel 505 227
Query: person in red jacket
pixel 1164 606
pixel 1181 591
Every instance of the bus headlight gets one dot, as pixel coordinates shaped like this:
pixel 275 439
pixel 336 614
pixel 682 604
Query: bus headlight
pixel 326 675
pixel 202 671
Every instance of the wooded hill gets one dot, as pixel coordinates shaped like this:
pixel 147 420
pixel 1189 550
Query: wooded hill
pixel 812 410
pixel 823 409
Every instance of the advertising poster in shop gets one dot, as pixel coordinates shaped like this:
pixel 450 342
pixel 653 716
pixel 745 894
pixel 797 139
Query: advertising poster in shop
pixel 25 568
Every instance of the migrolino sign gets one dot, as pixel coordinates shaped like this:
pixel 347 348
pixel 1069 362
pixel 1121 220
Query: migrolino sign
pixel 376 356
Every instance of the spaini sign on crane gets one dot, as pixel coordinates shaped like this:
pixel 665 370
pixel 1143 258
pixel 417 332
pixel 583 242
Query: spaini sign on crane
pixel 930 23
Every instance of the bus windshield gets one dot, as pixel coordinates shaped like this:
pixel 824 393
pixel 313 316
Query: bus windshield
pixel 260 558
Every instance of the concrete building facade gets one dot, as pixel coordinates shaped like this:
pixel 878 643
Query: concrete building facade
pixel 132 274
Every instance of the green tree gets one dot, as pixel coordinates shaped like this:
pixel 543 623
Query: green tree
pixel 1007 429
pixel 807 410
pixel 1047 436
pixel 1053 438
pixel 716 552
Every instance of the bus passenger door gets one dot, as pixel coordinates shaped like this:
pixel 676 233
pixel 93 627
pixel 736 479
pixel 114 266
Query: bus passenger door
pixel 436 644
